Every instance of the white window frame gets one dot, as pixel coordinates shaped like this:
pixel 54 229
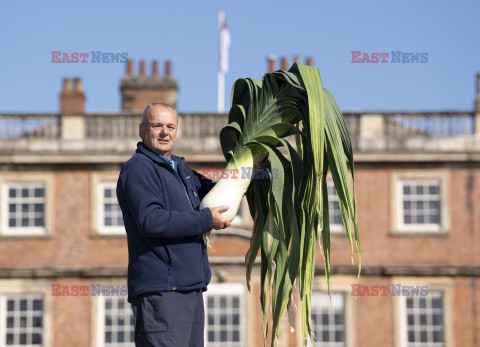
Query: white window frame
pixel 17 330
pixel 21 200
pixel 227 289
pixel 444 285
pixel 401 215
pixel 107 229
pixel 339 284
pixel 335 228
pixel 397 213
pixel 320 295
pixel 28 288
pixel 404 317
pixel 100 314
pixel 99 181
pixel 26 178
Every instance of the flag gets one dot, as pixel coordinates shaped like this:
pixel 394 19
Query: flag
pixel 224 42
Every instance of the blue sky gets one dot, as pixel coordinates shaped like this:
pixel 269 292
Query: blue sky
pixel 186 32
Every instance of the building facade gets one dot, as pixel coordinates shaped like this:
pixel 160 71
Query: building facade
pixel 63 253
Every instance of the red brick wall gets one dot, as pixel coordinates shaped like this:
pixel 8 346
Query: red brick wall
pixel 72 316
pixel 72 246
pixel 72 103
pixel 379 247
pixel 373 316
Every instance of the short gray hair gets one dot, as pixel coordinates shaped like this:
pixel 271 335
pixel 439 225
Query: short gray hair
pixel 147 110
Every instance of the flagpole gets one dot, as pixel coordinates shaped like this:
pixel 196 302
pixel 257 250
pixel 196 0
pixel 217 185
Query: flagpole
pixel 224 44
pixel 221 92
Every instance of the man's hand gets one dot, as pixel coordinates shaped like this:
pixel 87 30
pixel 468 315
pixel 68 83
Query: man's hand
pixel 219 221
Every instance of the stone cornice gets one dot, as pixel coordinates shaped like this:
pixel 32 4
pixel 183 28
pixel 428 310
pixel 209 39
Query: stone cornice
pixel 120 158
pixel 371 270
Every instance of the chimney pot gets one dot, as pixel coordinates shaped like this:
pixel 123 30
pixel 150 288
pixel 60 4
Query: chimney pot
pixel 309 61
pixel 168 68
pixel 297 59
pixel 271 63
pixel 155 68
pixel 142 68
pixel 284 63
pixel 129 67
pixel 78 85
pixel 67 85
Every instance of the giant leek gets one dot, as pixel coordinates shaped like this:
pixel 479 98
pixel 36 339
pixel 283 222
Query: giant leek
pixel 290 208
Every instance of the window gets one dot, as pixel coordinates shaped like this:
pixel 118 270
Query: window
pixel 333 321
pixel 106 214
pixel 26 204
pixel 117 327
pixel 425 324
pixel 22 320
pixel 110 214
pixel 420 202
pixel 334 213
pixel 328 319
pixel 225 315
pixel 424 321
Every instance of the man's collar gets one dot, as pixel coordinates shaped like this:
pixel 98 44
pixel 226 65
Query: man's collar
pixel 147 151
pixel 165 159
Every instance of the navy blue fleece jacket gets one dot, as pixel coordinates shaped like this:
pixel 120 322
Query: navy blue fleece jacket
pixel 165 251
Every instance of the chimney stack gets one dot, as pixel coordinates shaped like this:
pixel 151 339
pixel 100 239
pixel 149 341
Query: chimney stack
pixel 271 63
pixel 72 101
pixel 140 90
pixel 284 63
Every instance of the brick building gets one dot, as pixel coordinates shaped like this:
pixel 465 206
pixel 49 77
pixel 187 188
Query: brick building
pixel 63 251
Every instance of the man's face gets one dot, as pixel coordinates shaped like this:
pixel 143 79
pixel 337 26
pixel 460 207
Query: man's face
pixel 160 131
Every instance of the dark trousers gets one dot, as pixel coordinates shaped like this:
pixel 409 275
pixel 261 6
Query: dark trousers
pixel 173 319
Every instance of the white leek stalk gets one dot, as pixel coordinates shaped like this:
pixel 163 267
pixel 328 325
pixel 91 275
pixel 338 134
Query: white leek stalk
pixel 231 188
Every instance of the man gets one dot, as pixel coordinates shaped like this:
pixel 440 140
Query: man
pixel 167 259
